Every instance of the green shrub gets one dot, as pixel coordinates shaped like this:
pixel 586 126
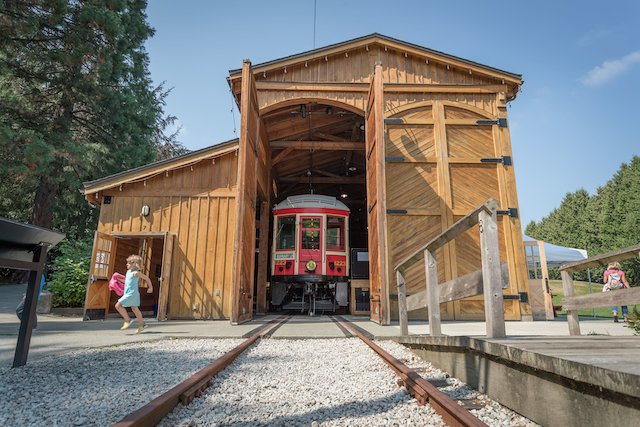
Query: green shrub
pixel 69 272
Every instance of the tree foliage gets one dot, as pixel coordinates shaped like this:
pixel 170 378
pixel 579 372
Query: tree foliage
pixel 604 222
pixel 76 104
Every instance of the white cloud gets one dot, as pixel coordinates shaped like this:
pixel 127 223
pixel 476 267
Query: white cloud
pixel 610 69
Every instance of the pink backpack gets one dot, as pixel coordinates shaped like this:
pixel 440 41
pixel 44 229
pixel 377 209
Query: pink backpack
pixel 116 285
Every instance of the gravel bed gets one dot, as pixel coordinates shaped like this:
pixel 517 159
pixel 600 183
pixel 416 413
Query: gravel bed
pixel 315 382
pixel 99 387
pixel 491 413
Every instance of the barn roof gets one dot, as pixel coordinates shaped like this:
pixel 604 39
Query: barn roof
pixel 375 38
pixel 159 167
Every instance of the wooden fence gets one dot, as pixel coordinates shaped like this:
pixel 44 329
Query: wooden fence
pixel 492 281
pixel 572 303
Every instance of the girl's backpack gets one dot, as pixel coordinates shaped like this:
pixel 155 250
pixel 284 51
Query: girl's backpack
pixel 614 281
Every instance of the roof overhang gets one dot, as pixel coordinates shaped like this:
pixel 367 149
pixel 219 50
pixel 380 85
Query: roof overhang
pixel 152 169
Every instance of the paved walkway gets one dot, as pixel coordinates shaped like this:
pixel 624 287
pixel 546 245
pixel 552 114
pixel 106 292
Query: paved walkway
pixel 58 334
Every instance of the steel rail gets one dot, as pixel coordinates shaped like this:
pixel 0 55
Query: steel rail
pixel 424 392
pixel 154 411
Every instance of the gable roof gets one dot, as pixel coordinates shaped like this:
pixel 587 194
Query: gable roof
pixel 151 169
pixel 375 38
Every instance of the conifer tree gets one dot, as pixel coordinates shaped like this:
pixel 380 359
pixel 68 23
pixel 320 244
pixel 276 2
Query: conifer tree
pixel 76 102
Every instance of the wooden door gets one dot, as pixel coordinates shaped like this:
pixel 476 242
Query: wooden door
pixel 245 235
pixel 376 218
pixel 100 271
pixel 165 276
pixel 311 243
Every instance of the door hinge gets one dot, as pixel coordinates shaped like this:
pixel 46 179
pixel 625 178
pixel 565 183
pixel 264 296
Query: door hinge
pixel 392 121
pixel 500 122
pixel 396 211
pixel 520 296
pixel 512 212
pixel 394 159
pixel 505 160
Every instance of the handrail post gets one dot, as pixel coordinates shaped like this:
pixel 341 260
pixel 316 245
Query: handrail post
pixel 402 304
pixel 433 293
pixel 491 274
pixel 572 315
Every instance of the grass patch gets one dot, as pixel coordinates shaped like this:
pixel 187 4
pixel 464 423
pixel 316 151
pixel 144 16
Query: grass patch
pixel 582 288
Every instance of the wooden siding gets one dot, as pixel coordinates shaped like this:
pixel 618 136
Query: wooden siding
pixel 343 79
pixel 197 203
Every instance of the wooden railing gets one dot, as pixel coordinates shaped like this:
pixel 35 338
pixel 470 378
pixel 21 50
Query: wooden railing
pixel 485 215
pixel 572 303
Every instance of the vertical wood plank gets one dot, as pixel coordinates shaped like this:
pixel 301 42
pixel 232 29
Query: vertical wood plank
pixel 572 315
pixel 433 293
pixel 402 304
pixel 491 275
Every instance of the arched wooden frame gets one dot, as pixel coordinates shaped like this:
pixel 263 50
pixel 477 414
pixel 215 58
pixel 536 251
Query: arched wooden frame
pixel 303 100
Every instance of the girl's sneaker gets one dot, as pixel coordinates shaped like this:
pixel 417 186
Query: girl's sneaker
pixel 126 325
pixel 141 328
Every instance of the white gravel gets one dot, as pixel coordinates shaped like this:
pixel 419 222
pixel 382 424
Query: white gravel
pixel 276 382
pixel 99 387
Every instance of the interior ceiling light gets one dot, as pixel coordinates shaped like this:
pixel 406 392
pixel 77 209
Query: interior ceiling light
pixel 352 168
pixel 344 195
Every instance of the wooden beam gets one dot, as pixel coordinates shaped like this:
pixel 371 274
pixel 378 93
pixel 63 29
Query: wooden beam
pixel 433 293
pixel 263 258
pixel 465 286
pixel 602 259
pixel 388 87
pixel 492 287
pixel 328 136
pixel 629 296
pixel 324 179
pixel 319 145
pixel 281 155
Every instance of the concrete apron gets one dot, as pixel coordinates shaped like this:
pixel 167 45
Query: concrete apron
pixel 546 388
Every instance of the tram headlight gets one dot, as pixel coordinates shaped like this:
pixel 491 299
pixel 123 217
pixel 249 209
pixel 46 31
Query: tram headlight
pixel 311 265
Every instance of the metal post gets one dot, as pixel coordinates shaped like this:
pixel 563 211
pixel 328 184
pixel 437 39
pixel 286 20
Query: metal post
pixel 30 303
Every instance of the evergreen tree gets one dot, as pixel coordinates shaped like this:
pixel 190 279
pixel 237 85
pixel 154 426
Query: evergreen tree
pixel 76 103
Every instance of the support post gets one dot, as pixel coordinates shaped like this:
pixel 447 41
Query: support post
pixel 433 293
pixel 30 303
pixel 263 259
pixel 572 315
pixel 491 276
pixel 402 304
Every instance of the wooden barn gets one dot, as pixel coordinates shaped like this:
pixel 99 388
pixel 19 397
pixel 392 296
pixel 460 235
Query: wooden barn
pixel 409 138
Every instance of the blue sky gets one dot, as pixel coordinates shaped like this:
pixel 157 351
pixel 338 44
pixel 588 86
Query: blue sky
pixel 575 121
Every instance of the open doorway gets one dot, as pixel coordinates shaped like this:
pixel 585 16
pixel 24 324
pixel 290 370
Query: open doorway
pixel 109 256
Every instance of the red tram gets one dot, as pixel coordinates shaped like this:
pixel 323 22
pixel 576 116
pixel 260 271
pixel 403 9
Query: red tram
pixel 310 255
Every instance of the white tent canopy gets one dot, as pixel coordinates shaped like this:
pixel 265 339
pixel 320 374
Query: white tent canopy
pixel 559 255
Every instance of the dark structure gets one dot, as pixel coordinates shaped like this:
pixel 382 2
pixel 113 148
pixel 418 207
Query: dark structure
pixel 24 247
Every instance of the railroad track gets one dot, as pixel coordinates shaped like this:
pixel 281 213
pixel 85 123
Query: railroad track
pixel 424 392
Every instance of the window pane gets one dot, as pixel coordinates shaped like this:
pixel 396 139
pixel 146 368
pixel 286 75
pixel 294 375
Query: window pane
pixel 286 233
pixel 310 222
pixel 335 231
pixel 311 239
pixel 536 250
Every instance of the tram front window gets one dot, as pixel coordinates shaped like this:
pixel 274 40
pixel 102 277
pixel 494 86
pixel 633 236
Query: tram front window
pixel 286 233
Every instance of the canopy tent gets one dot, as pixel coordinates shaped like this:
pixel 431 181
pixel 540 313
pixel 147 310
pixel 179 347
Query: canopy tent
pixel 558 255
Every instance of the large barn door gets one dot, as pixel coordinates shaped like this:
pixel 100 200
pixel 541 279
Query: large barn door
pixel 374 137
pixel 100 271
pixel 245 236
